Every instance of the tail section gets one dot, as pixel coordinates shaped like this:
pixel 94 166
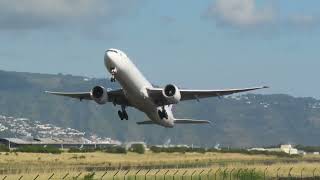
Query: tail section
pixel 179 121
pixel 188 121
pixel 191 121
pixel 145 122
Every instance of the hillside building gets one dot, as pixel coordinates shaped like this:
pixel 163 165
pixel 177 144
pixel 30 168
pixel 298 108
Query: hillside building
pixel 62 143
pixel 286 148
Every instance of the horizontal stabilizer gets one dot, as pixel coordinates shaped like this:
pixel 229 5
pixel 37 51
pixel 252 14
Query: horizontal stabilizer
pixel 145 122
pixel 191 121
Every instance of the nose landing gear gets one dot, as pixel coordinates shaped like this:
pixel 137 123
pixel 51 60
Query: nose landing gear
pixel 113 73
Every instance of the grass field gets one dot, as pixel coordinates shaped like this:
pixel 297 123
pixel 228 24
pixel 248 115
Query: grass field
pixel 29 165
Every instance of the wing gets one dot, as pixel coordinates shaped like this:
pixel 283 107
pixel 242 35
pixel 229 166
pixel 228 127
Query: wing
pixel 76 95
pixel 115 96
pixel 199 94
pixel 159 99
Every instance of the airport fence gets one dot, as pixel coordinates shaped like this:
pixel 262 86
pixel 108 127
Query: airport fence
pixel 176 174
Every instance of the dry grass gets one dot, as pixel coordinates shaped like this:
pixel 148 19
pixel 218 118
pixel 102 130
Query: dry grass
pixel 20 160
pixel 259 169
pixel 29 164
pixel 284 169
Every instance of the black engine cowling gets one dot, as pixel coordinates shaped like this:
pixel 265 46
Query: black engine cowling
pixel 99 94
pixel 172 94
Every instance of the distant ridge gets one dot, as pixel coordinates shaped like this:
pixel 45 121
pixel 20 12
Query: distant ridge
pixel 245 120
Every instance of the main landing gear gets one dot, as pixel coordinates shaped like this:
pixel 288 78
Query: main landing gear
pixel 123 113
pixel 163 113
pixel 113 73
pixel 113 79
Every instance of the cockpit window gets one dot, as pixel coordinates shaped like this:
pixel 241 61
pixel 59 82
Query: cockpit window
pixel 111 50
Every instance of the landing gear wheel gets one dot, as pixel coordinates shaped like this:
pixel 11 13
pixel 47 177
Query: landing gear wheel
pixel 160 114
pixel 120 115
pixel 163 114
pixel 125 115
pixel 113 79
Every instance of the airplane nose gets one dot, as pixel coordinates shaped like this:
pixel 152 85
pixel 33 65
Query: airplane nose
pixel 109 59
pixel 107 56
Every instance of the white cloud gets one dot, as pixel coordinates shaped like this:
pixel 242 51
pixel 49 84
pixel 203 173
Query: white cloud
pixel 240 13
pixel 246 14
pixel 47 8
pixel 24 14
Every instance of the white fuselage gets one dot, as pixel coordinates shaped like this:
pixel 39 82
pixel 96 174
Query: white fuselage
pixel 135 86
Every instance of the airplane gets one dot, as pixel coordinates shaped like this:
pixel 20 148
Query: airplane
pixel 139 93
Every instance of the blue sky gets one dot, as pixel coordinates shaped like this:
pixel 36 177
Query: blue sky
pixel 195 44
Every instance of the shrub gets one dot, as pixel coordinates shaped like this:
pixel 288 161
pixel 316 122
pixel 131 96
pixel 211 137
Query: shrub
pixel 111 149
pixel 156 149
pixel 115 150
pixel 308 149
pixel 77 150
pixel 38 149
pixel 138 148
pixel 89 176
pixel 4 148
pixel 244 151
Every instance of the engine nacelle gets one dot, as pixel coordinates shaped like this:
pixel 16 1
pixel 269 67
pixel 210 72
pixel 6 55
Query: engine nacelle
pixel 99 94
pixel 172 94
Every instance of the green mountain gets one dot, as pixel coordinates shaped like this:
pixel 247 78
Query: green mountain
pixel 244 120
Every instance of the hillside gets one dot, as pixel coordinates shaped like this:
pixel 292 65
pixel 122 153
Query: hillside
pixel 243 120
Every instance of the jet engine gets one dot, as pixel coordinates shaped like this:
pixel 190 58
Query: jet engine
pixel 99 94
pixel 172 94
